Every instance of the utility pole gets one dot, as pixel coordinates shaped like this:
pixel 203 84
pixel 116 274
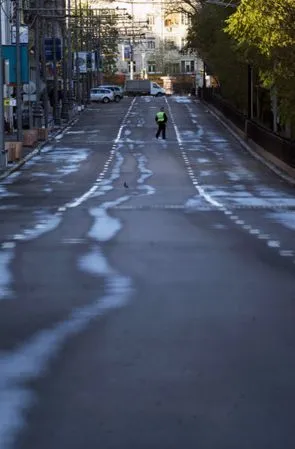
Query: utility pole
pixel 70 62
pixel 132 45
pixel 44 71
pixel 82 48
pixel 56 108
pixel 78 87
pixel 2 143
pixel 65 101
pixel 37 109
pixel 88 69
pixel 18 74
pixel 99 51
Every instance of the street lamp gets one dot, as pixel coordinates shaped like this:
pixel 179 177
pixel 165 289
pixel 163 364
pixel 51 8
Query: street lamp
pixel 2 144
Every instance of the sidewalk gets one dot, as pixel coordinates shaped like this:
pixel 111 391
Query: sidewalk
pixel 29 152
pixel 269 160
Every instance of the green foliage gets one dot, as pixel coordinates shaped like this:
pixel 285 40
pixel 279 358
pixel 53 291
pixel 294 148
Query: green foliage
pixel 215 47
pixel 264 33
pixel 92 31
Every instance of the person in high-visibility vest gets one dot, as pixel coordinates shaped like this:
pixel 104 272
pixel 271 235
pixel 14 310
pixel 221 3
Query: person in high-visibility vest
pixel 161 119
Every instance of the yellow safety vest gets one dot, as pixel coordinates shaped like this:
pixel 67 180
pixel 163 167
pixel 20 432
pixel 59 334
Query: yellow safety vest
pixel 160 116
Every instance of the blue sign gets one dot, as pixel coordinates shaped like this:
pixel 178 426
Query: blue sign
pixel 9 53
pixel 49 49
pixel 127 52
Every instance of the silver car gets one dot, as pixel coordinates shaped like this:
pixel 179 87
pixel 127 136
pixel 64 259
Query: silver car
pixel 118 91
pixel 101 94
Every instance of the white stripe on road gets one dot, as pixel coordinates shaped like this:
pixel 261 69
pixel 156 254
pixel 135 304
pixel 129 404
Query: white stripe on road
pixel 78 201
pixel 199 188
pixel 6 257
pixel 30 360
pixel 271 243
pixel 105 227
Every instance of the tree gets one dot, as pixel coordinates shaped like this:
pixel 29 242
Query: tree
pixel 264 33
pixel 97 30
pixel 215 47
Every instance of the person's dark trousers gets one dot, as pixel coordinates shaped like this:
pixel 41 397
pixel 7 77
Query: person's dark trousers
pixel 161 129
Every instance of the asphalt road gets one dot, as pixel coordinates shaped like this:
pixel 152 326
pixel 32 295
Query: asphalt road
pixel 146 289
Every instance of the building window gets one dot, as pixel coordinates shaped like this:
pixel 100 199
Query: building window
pixel 174 68
pixel 188 66
pixel 183 42
pixel 170 44
pixel 151 67
pixel 186 19
pixel 129 66
pixel 150 19
pixel 151 45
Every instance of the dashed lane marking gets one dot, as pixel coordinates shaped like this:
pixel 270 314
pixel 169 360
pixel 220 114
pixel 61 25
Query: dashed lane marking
pixel 228 209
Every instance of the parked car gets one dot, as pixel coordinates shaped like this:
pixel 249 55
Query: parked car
pixel 101 94
pixel 118 91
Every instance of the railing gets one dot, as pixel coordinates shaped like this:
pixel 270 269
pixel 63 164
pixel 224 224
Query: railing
pixel 235 116
pixel 279 146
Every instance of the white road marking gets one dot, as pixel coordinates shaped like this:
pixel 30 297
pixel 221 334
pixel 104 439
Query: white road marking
pixel 6 257
pixel 29 361
pixel 78 201
pixel 273 244
pixel 287 219
pixel 287 253
pixel 105 227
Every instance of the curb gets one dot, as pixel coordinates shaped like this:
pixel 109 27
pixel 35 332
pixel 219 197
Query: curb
pixel 37 150
pixel 275 165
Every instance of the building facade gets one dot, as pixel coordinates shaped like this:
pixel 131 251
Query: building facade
pixel 155 41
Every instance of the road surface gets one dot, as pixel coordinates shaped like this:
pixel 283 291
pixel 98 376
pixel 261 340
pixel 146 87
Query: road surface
pixel 147 293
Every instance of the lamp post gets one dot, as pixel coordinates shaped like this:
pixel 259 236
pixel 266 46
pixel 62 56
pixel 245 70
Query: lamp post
pixel 2 144
pixel 70 61
pixel 56 108
pixel 65 97
pixel 18 74
pixel 77 67
pixel 37 108
pixel 44 71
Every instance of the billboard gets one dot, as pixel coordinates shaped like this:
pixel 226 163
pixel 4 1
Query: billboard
pixel 87 61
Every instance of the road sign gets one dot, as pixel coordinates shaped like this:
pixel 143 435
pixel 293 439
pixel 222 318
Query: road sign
pixel 49 48
pixel 9 102
pixel 23 34
pixel 29 88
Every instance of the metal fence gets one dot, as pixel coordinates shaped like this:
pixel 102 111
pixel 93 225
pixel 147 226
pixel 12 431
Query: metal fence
pixel 279 146
pixel 235 116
